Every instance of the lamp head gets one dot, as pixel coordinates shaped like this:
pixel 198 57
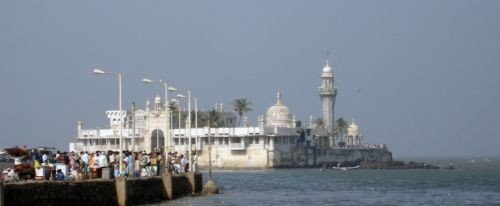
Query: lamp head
pixel 181 96
pixel 98 71
pixel 147 81
pixel 172 89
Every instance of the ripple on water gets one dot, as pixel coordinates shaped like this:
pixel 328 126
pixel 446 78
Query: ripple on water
pixel 360 187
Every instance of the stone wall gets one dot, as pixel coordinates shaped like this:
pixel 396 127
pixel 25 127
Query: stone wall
pixel 249 158
pixel 295 156
pixel 181 188
pixel 146 190
pixel 95 192
pixel 121 191
pixel 353 154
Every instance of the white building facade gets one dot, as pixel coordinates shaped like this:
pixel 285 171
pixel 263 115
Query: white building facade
pixel 276 141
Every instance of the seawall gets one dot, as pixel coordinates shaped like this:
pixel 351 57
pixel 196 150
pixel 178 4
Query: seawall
pixel 119 191
pixel 354 154
pixel 302 157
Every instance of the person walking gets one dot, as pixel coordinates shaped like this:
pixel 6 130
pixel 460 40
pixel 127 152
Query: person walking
pixel 130 164
pixel 85 162
pixel 103 163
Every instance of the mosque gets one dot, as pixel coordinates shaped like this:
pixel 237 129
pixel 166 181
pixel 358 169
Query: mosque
pixel 278 140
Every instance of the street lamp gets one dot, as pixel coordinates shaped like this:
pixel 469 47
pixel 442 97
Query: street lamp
pixel 197 142
pixel 167 128
pixel 180 96
pixel 172 118
pixel 190 156
pixel 119 75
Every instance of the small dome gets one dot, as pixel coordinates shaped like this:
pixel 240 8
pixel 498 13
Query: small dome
pixel 157 99
pixel 327 67
pixel 353 129
pixel 278 115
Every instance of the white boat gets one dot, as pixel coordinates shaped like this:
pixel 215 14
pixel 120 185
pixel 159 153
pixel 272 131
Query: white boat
pixel 338 167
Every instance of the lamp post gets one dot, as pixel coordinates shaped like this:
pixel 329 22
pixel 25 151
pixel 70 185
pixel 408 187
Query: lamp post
pixel 190 156
pixel 172 116
pixel 133 127
pixel 180 96
pixel 167 113
pixel 119 75
pixel 197 142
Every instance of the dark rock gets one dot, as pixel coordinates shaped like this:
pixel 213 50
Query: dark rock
pixel 210 188
pixel 395 165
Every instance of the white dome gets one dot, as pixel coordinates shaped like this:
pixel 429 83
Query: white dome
pixel 157 99
pixel 327 68
pixel 353 129
pixel 278 115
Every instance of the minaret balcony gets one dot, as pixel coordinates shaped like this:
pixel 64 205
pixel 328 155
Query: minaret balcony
pixel 327 91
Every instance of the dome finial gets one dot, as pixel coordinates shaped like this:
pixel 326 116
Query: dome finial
pixel 278 97
pixel 327 56
pixel 327 67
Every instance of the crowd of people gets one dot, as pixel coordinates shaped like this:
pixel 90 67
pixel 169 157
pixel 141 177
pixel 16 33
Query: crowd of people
pixel 88 165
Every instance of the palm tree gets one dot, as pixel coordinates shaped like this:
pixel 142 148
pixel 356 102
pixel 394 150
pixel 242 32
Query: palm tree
pixel 212 118
pixel 175 114
pixel 319 122
pixel 241 106
pixel 340 127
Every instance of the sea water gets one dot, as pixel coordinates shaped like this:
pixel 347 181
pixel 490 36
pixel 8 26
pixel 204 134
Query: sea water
pixel 472 183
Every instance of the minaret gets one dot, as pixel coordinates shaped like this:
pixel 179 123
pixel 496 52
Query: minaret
pixel 327 93
pixel 310 125
pixel 261 122
pixel 158 105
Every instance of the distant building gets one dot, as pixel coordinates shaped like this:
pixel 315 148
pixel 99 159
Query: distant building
pixel 354 136
pixel 328 93
pixel 276 141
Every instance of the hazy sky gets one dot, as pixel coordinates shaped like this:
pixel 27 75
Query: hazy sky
pixel 421 76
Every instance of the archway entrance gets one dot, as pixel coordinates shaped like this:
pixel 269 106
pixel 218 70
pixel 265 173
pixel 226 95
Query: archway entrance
pixel 157 139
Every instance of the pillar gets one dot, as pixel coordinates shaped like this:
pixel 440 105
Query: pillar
pixel 195 182
pixel 121 190
pixel 167 184
pixel 2 195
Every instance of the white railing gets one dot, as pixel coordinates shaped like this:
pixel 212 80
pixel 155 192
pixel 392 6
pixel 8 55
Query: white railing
pixel 237 146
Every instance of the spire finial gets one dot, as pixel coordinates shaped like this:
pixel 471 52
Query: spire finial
pixel 327 56
pixel 278 97
pixel 327 67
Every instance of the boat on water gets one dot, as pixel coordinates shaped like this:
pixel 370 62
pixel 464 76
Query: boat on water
pixel 450 167
pixel 345 168
pixel 338 167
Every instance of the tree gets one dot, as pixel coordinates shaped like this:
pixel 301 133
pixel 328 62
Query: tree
pixel 174 108
pixel 319 122
pixel 212 117
pixel 241 106
pixel 201 122
pixel 340 127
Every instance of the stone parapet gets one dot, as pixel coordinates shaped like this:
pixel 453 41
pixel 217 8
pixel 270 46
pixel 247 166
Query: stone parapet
pixel 2 194
pixel 119 191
